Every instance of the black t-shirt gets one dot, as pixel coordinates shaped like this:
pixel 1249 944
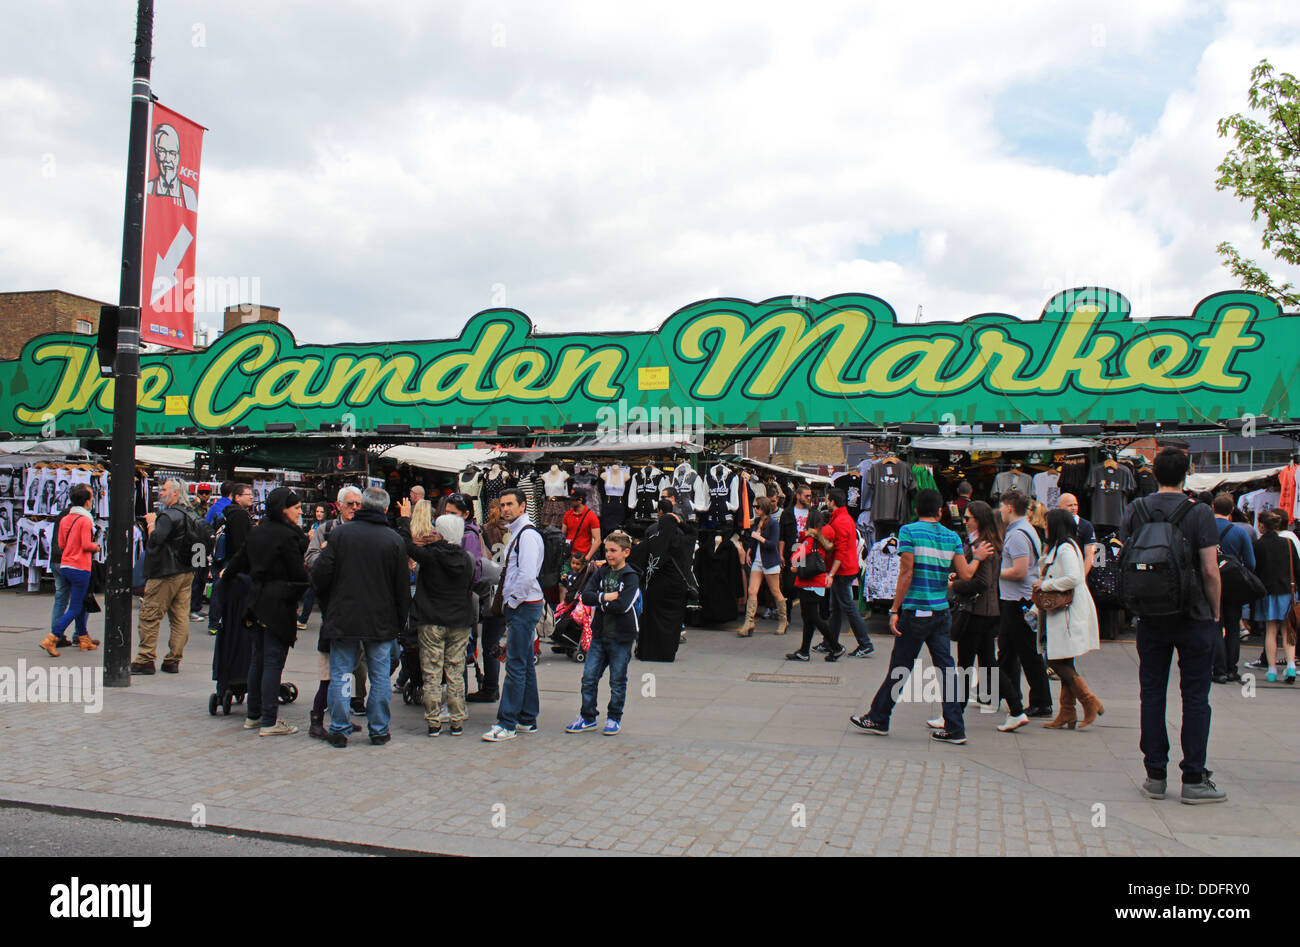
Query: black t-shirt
pixel 1199 528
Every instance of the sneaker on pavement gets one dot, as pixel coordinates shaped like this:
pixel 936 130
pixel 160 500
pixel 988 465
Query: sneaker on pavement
pixel 1195 794
pixel 1154 788
pixel 1271 676
pixel 302 626
pixel 580 726
pixel 612 727
pixel 196 616
pixel 862 651
pixel 797 656
pixel 279 730
pixel 456 730
pixel 1257 664
pixel 1014 723
pixel 947 736
pixel 864 722
pixel 935 724
pixel 434 730
pixel 835 655
pixel 498 734
pixel 525 728
pixel 820 647
pixel 379 739
pixel 252 723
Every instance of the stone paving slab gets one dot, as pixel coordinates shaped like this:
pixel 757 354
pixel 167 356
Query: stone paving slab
pixel 709 765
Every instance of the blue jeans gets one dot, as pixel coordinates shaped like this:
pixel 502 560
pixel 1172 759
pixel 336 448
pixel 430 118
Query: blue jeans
pixel 519 700
pixel 843 606
pixel 605 653
pixel 308 600
pixel 343 658
pixel 264 672
pixel 61 592
pixel 78 581
pixel 915 633
pixel 1195 642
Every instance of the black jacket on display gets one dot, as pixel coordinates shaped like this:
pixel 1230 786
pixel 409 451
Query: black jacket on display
pixel 362 581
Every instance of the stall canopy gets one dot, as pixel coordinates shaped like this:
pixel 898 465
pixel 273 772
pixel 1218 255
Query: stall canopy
pixel 439 459
pixel 1200 482
pixel 173 457
pixel 784 471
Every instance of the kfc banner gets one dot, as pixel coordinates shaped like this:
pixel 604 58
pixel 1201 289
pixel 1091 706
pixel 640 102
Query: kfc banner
pixel 171 214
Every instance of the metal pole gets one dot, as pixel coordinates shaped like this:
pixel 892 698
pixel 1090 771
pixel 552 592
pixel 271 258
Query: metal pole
pixel 126 374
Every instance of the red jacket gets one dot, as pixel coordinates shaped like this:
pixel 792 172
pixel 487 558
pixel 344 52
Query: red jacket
pixel 76 535
pixel 844 534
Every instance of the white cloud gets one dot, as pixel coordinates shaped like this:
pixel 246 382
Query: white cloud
pixel 610 164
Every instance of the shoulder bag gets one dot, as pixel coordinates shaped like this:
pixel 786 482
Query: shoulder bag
pixel 1051 601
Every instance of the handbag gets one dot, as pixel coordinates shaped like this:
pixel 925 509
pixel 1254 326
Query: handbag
pixel 811 566
pixel 1051 601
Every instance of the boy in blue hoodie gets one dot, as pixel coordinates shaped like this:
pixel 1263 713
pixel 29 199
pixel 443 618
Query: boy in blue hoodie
pixel 614 595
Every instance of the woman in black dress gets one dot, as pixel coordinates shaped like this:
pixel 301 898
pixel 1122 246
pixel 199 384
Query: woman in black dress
pixel 664 561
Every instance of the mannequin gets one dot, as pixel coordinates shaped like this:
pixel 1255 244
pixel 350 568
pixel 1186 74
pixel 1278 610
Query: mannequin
pixel 495 483
pixel 614 479
pixel 555 485
pixel 692 497
pixel 470 485
pixel 643 491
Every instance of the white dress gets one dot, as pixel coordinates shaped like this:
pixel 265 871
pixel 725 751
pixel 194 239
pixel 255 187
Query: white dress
pixel 1073 630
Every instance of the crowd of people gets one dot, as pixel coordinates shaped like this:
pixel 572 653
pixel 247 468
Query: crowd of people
pixel 426 591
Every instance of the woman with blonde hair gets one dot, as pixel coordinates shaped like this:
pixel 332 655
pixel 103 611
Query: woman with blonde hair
pixel 765 558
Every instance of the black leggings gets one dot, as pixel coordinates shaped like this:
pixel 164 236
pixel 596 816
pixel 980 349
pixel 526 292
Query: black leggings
pixel 810 606
pixel 978 640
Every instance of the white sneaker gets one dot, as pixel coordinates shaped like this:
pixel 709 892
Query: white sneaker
pixel 1014 723
pixel 279 729
pixel 498 734
pixel 935 724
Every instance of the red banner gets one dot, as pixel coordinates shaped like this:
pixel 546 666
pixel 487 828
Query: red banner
pixel 171 215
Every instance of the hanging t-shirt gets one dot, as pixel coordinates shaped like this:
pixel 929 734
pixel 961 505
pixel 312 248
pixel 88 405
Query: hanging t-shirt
pixel 891 488
pixel 1261 501
pixel 1047 488
pixel 1016 480
pixel 932 546
pixel 1111 487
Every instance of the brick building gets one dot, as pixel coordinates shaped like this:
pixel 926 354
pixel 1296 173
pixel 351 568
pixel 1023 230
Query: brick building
pixel 26 315
pixel 793 451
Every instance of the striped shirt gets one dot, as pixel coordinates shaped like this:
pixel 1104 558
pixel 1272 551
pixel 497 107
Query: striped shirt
pixel 932 547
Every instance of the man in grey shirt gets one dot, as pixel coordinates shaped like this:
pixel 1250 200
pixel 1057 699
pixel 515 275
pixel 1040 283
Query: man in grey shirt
pixel 1017 645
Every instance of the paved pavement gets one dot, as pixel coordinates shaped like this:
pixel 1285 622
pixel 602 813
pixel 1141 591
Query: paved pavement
pixel 709 762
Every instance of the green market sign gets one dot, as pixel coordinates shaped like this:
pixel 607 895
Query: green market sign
pixel 841 360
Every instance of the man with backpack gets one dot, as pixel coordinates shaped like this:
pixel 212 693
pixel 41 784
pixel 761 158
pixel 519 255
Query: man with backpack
pixel 177 545
pixel 520 598
pixel 1169 579
pixel 1237 569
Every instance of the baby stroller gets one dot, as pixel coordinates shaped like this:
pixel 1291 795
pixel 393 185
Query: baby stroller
pixel 234 651
pixel 572 633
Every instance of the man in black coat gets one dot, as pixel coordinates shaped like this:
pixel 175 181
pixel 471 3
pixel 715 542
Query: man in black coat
pixel 363 582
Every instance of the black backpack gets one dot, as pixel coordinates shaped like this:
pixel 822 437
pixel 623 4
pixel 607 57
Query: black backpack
pixel 554 555
pixel 197 534
pixel 1158 572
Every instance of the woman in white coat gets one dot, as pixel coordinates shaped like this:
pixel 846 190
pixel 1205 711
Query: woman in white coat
pixel 1072 630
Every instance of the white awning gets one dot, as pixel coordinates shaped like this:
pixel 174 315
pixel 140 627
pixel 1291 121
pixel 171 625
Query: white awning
pixel 1001 442
pixel 784 471
pixel 442 459
pixel 175 457
pixel 1200 482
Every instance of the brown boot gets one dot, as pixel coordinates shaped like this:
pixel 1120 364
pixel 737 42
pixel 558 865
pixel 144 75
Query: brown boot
pixel 1066 715
pixel 1092 708
pixel 48 645
pixel 87 643
pixel 747 629
pixel 782 617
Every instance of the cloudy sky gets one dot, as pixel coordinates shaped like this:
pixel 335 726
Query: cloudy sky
pixel 385 173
